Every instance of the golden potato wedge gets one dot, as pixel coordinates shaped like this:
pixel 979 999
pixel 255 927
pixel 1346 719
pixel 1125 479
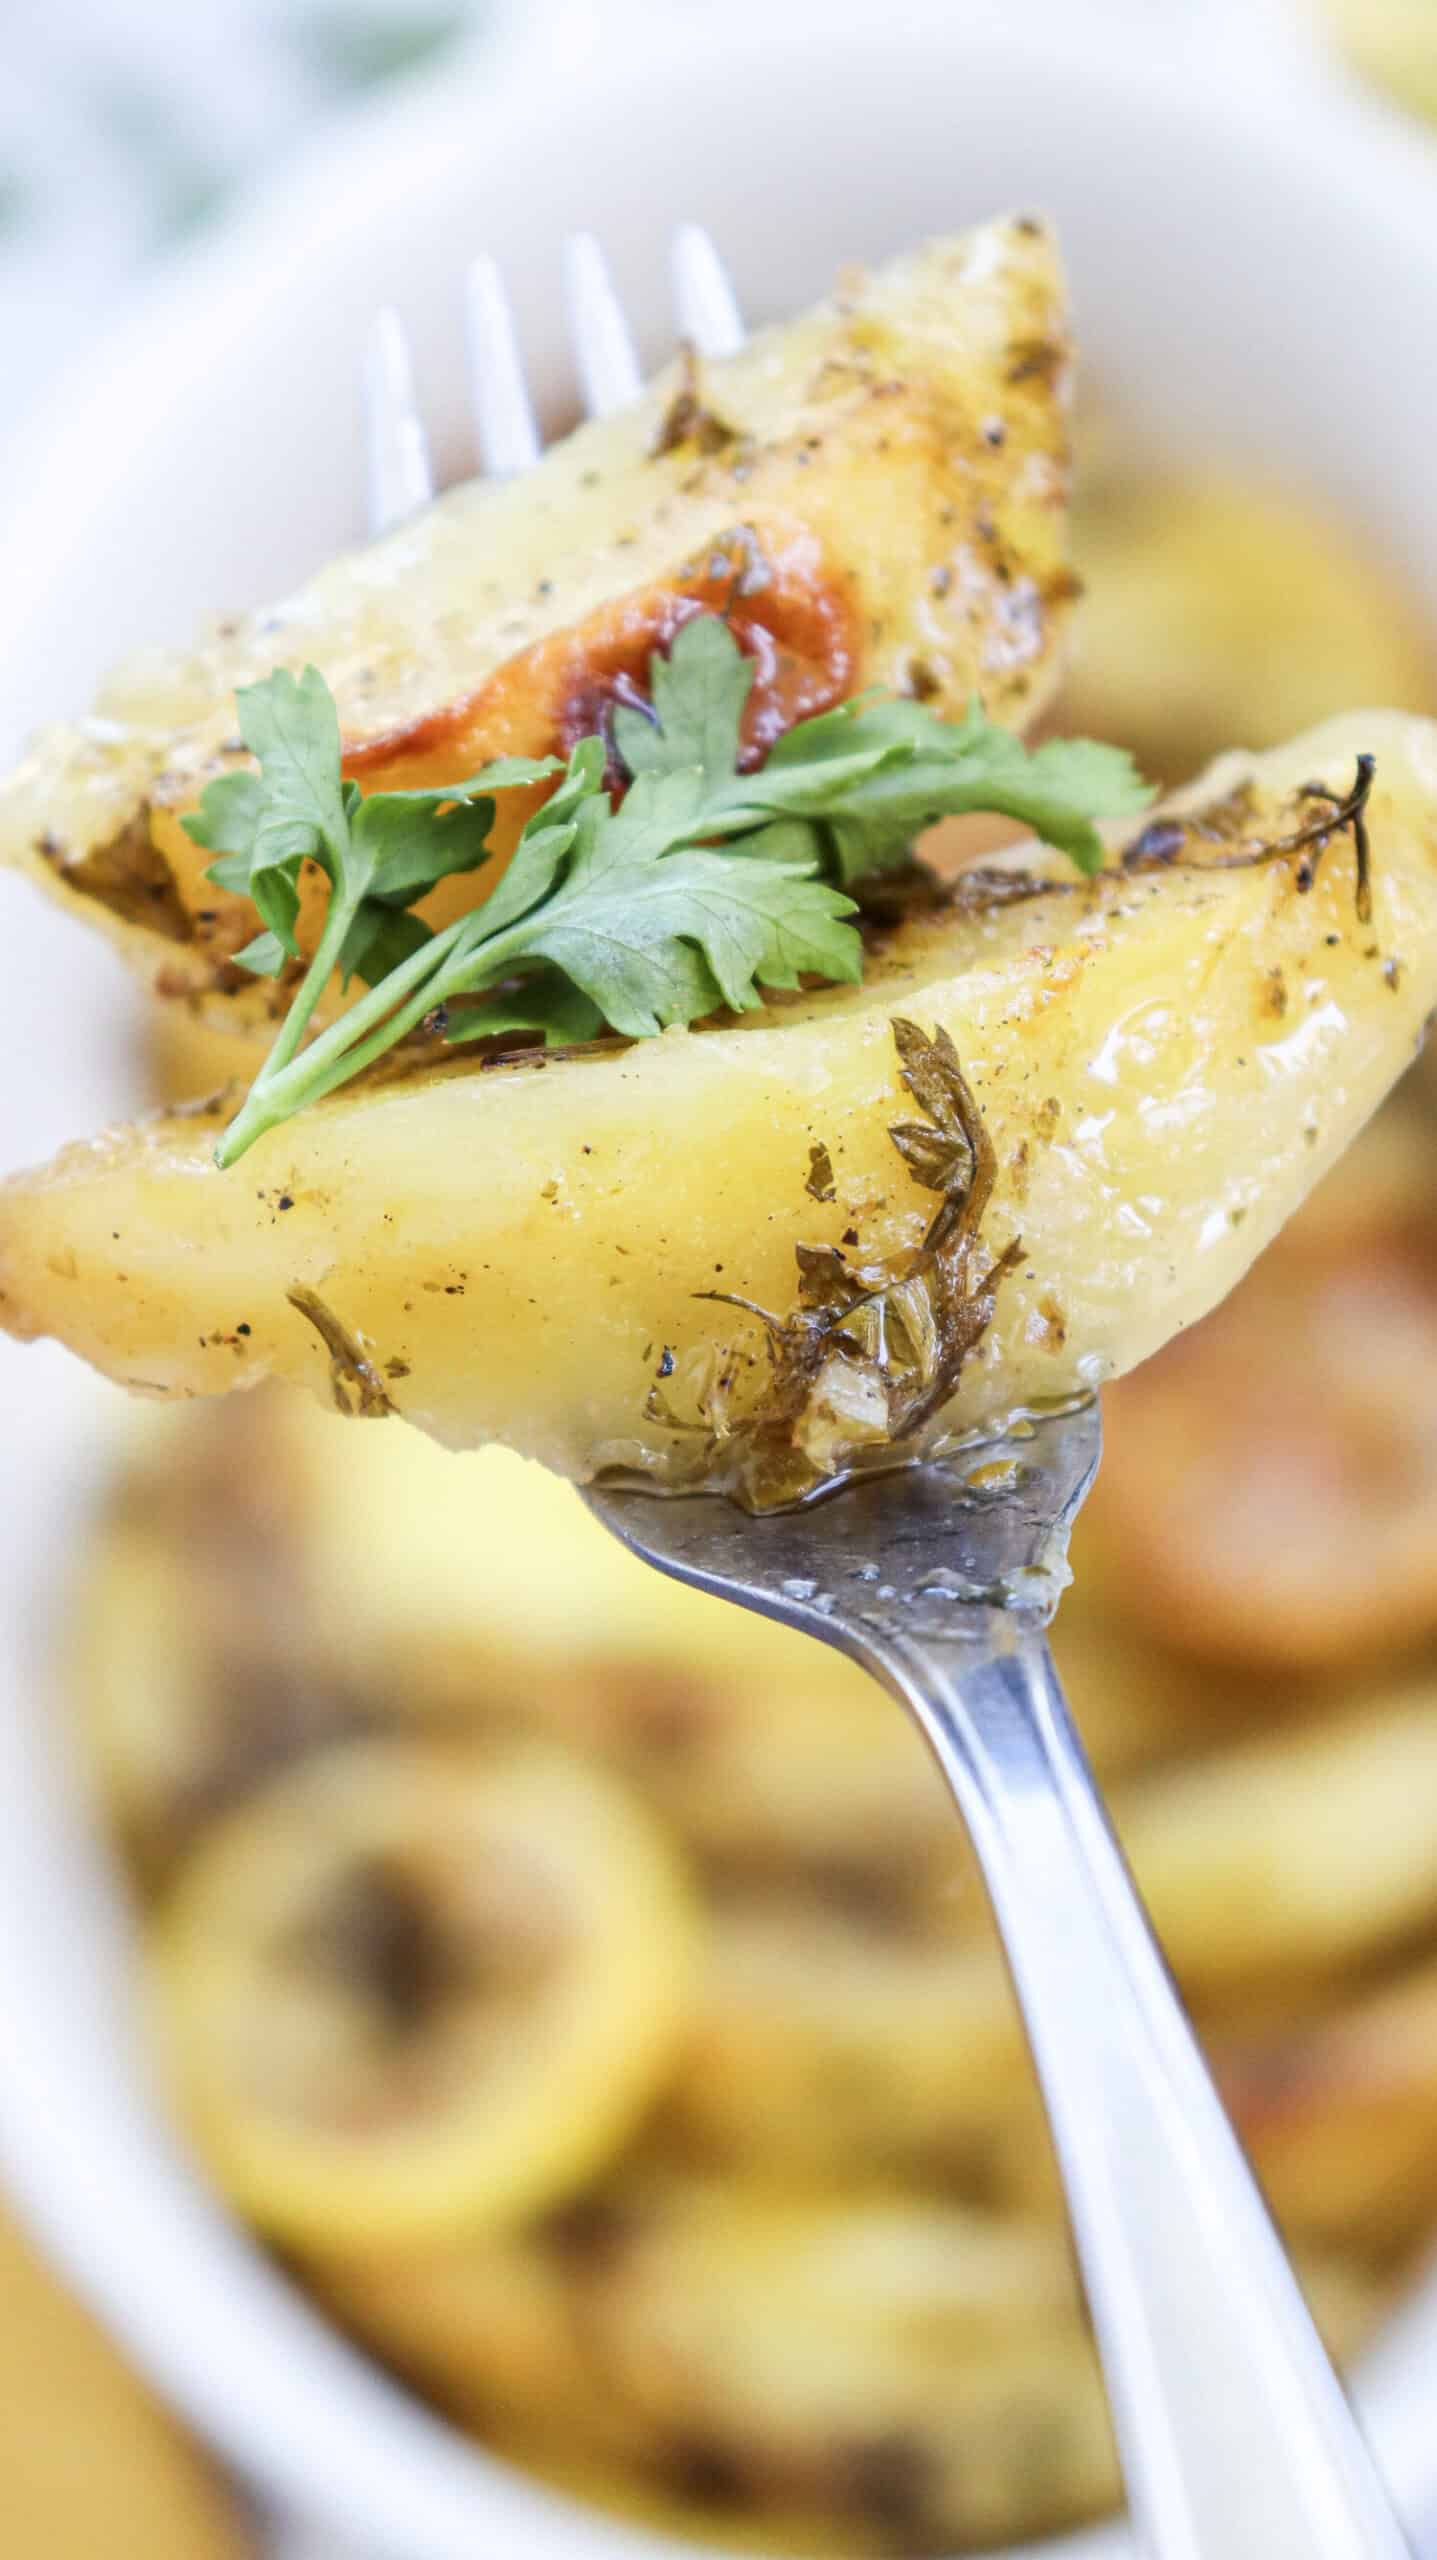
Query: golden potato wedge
pixel 1268 1497
pixel 488 2324
pixel 199 1642
pixel 263 1583
pixel 696 2498
pixel 888 2362
pixel 410 1988
pixel 887 2367
pixel 1348 2295
pixel 822 2038
pixel 715 2500
pixel 762 1749
pixel 627 2351
pixel 1218 609
pixel 1165 1061
pixel 1293 1853
pixel 1138 1705
pixel 1392 44
pixel 186 1052
pixel 1340 2116
pixel 823 2041
pixel 877 493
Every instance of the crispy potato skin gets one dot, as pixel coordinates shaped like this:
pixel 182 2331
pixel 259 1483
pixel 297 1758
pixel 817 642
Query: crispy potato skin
pixel 886 505
pixel 518 1244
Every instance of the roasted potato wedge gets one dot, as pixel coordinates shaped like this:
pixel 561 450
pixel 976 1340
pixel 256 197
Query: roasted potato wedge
pixel 822 2036
pixel 1218 610
pixel 1164 1060
pixel 877 493
pixel 824 2041
pixel 1296 1853
pixel 696 2500
pixel 913 2374
pixel 186 1051
pixel 409 1988
pixel 1269 1487
pixel 262 1583
pixel 1137 1705
pixel 203 1650
pixel 738 2346
pixel 1340 2116
pixel 1392 44
pixel 694 2356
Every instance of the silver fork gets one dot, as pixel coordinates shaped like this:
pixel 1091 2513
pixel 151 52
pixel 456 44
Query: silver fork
pixel 1235 2438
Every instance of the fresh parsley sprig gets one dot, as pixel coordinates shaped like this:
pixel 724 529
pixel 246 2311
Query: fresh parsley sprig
pixel 704 885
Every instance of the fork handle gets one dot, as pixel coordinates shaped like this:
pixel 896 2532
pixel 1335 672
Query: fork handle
pixel 1235 2437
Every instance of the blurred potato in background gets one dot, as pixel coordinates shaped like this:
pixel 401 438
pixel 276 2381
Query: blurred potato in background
pixel 1269 1494
pixel 1220 612
pixel 784 2265
pixel 1392 44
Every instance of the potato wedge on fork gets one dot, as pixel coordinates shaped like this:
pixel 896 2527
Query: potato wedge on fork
pixel 621 1253
pixel 1164 1059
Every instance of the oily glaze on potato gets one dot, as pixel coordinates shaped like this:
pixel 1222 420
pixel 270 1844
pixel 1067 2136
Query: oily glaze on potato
pixel 1165 1061
pixel 875 494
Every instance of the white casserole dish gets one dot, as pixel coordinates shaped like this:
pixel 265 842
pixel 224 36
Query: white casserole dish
pixel 1255 263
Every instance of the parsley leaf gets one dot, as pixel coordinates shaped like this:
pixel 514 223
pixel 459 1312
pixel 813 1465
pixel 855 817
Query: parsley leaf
pixel 876 773
pixel 698 694
pixel 379 854
pixel 539 1000
pixel 657 938
pixel 291 727
pixel 701 888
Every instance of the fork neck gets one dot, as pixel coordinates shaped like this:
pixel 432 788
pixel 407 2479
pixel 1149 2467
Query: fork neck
pixel 1235 2438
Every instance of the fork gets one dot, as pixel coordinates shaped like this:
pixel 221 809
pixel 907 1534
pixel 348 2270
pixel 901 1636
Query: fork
pixel 1235 2439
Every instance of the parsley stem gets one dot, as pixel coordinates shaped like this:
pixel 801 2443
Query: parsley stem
pixel 283 1084
pixel 455 973
pixel 385 1035
pixel 316 978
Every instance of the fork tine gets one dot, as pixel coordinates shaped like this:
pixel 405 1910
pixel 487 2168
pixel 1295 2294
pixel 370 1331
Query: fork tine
pixel 609 375
pixel 398 478
pixel 709 315
pixel 504 424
